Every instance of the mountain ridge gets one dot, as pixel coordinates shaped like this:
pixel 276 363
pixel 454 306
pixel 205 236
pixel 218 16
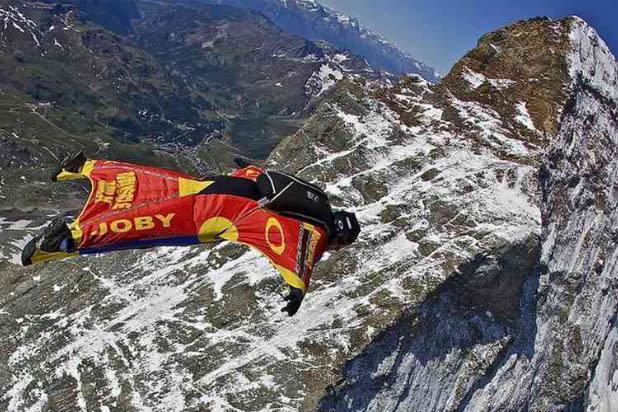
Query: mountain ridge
pixel 313 21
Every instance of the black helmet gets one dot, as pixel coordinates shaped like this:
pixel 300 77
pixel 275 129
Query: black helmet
pixel 345 229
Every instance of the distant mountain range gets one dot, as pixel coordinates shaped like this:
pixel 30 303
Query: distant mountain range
pixel 184 75
pixel 258 78
pixel 312 20
pixel 305 18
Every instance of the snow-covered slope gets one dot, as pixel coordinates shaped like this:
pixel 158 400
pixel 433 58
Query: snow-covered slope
pixel 475 285
pixel 15 23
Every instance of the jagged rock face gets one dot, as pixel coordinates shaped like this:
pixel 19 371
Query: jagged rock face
pixel 578 303
pixel 430 358
pixel 441 300
pixel 573 366
pixel 519 68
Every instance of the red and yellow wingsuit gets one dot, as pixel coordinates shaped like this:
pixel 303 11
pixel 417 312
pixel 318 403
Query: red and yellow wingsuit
pixel 132 206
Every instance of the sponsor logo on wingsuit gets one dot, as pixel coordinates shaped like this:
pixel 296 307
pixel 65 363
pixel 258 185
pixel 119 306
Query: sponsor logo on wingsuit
pixel 315 237
pixel 135 224
pixel 273 223
pixel 119 194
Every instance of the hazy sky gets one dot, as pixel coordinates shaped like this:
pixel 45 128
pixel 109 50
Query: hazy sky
pixel 439 32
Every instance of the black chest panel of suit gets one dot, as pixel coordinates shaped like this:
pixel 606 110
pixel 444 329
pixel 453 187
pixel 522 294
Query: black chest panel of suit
pixel 230 185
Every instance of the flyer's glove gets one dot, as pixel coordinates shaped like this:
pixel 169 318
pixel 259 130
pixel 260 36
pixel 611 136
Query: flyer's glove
pixel 71 163
pixel 293 299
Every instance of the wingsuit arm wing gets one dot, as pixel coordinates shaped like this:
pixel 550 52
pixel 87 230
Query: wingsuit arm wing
pixel 307 245
pixel 292 247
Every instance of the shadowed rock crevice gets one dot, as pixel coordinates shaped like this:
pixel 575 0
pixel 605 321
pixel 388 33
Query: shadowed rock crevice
pixel 453 343
pixel 523 338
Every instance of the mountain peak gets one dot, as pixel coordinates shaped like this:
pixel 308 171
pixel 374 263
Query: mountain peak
pixel 537 61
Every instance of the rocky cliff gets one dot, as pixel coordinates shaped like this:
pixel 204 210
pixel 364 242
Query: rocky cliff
pixel 558 352
pixel 484 278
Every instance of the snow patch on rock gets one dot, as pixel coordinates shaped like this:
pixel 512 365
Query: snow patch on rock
pixel 524 118
pixel 322 80
pixel 490 126
pixel 476 80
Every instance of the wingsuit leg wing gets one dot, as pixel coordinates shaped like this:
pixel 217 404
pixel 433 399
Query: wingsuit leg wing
pixel 123 198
